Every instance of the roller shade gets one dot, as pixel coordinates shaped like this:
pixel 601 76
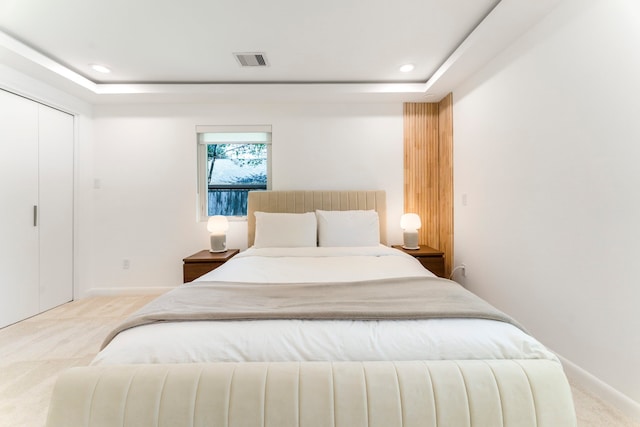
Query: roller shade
pixel 259 134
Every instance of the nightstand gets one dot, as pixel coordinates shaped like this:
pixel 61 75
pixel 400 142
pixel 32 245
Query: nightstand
pixel 203 262
pixel 431 259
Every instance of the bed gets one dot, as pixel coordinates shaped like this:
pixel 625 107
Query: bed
pixel 317 324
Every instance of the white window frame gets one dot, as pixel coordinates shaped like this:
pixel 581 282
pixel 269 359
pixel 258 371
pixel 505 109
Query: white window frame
pixel 227 134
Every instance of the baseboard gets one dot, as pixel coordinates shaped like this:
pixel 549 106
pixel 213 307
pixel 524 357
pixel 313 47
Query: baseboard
pixel 600 389
pixel 114 292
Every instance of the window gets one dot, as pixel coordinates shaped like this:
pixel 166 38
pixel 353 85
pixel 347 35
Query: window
pixel 232 160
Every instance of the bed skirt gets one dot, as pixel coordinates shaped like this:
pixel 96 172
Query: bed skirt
pixel 506 393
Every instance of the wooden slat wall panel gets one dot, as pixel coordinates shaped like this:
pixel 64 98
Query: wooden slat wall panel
pixel 421 168
pixel 446 180
pixel 415 141
pixel 428 172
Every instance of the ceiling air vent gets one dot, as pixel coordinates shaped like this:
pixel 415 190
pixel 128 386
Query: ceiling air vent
pixel 251 59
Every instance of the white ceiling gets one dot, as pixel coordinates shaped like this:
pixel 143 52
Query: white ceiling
pixel 183 50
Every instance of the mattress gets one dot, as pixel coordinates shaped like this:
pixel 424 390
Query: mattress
pixel 320 340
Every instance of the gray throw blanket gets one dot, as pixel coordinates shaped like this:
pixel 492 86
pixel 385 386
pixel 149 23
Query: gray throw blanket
pixel 385 299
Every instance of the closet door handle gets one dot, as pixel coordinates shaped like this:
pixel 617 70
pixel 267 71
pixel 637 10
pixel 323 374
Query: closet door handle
pixel 35 215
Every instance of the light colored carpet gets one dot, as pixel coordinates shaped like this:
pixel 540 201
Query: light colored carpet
pixel 592 412
pixel 34 352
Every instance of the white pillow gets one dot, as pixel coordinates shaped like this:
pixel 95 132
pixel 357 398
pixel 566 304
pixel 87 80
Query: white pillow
pixel 348 228
pixel 285 230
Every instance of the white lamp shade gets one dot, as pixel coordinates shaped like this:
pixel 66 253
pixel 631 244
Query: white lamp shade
pixel 410 222
pixel 218 224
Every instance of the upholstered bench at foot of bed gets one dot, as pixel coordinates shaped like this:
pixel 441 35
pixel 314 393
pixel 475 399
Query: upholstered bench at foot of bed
pixel 350 394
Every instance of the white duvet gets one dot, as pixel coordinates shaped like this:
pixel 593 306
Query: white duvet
pixel 313 340
pixel 302 265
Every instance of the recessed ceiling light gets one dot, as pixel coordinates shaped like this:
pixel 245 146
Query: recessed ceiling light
pixel 100 68
pixel 407 67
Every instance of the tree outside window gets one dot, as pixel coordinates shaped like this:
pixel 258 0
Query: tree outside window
pixel 232 171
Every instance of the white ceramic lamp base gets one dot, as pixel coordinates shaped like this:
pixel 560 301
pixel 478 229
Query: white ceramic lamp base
pixel 410 240
pixel 218 243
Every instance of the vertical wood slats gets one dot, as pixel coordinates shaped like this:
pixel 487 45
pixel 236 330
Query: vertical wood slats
pixel 428 172
pixel 446 180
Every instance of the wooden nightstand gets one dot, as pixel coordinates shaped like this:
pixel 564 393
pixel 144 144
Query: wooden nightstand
pixel 203 262
pixel 431 259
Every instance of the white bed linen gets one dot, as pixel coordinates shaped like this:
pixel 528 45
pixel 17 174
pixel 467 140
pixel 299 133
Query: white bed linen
pixel 301 340
pixel 315 264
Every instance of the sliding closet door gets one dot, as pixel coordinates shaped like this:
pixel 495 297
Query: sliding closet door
pixel 55 207
pixel 19 255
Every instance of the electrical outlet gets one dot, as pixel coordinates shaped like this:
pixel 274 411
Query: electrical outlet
pixel 464 270
pixel 126 264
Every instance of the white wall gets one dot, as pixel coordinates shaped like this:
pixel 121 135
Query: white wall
pixel 144 161
pixel 547 150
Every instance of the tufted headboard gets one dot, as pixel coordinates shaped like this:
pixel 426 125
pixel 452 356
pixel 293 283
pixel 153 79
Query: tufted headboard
pixel 309 201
